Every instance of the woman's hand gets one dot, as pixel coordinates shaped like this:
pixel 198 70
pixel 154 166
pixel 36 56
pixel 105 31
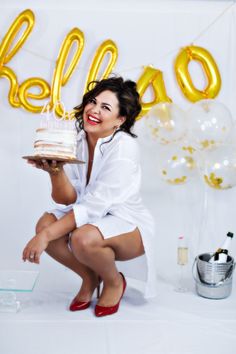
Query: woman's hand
pixel 51 166
pixel 35 247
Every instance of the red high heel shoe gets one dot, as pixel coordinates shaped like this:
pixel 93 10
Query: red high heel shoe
pixel 79 305
pixel 83 305
pixel 109 310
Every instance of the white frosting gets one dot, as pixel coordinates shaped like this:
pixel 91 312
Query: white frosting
pixel 56 142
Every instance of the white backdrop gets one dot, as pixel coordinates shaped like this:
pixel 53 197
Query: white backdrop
pixel 147 32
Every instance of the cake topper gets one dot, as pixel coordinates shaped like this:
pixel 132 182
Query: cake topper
pixel 50 120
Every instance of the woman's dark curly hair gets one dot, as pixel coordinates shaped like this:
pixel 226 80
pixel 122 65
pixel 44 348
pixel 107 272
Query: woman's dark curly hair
pixel 127 95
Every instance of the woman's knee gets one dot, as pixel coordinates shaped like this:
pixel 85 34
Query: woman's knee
pixel 45 220
pixel 85 238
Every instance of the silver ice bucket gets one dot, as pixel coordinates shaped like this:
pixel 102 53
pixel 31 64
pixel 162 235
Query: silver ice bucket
pixel 213 280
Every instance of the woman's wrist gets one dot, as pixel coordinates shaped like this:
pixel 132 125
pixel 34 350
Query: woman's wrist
pixel 59 228
pixel 45 234
pixel 56 171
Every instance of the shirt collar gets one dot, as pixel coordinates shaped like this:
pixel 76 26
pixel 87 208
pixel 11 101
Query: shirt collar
pixel 82 136
pixel 105 139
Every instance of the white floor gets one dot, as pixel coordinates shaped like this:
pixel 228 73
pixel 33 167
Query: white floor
pixel 169 324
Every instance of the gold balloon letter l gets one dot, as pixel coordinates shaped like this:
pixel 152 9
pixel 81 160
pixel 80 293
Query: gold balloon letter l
pixel 107 47
pixel 59 77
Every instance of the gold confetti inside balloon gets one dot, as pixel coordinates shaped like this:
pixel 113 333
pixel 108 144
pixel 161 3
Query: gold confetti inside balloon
pixel 209 124
pixel 166 123
pixel 218 167
pixel 177 164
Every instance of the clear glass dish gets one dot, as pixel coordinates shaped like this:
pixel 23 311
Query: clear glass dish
pixel 13 282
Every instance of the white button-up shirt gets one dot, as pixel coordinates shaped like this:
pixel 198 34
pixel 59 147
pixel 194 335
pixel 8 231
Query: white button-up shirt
pixel 113 188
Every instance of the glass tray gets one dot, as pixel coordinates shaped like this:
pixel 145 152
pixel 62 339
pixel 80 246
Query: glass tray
pixel 12 282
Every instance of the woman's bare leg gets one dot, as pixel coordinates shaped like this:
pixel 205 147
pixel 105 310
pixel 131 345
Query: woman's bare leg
pixel 59 251
pixel 98 254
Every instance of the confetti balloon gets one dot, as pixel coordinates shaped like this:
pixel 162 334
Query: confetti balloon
pixel 177 164
pixel 209 124
pixel 166 123
pixel 218 167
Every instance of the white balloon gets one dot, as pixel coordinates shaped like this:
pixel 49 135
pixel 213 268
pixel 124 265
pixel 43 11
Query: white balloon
pixel 218 167
pixel 166 123
pixel 209 123
pixel 177 164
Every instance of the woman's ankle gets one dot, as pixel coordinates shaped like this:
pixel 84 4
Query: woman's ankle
pixel 115 281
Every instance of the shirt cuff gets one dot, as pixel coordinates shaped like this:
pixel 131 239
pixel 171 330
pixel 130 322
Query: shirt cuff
pixel 80 215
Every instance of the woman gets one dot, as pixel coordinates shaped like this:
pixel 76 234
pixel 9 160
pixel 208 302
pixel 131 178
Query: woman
pixel 103 212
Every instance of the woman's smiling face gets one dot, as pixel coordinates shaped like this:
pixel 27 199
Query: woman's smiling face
pixel 101 115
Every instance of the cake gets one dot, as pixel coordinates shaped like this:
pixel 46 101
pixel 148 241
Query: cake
pixel 57 142
pixel 56 137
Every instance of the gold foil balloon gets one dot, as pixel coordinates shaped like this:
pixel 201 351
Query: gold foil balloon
pixel 153 78
pixel 12 95
pixel 107 47
pixel 177 163
pixel 24 93
pixel 209 124
pixel 166 123
pixel 218 167
pixel 7 50
pixel 61 75
pixel 210 69
pixel 10 46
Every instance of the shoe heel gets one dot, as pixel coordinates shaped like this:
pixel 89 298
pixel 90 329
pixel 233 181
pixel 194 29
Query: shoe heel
pixel 98 291
pixel 99 287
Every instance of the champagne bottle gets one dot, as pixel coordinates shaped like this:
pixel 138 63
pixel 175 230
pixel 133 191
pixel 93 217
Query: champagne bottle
pixel 220 256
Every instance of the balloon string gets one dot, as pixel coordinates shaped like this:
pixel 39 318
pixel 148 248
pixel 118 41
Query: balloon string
pixel 214 21
pixel 159 58
pixel 195 39
pixel 45 58
pixel 38 55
